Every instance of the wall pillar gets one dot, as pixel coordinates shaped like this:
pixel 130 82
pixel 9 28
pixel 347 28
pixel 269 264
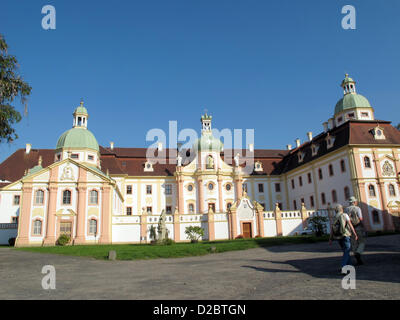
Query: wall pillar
pixel 50 239
pixel 364 206
pixel 220 197
pixel 105 236
pixel 201 194
pixel 181 202
pixel 211 226
pixel 232 224
pixel 239 187
pixel 81 216
pixel 304 215
pixel 24 216
pixel 260 219
pixel 143 228
pixel 278 220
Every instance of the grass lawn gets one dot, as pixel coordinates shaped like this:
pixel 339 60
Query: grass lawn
pixel 176 250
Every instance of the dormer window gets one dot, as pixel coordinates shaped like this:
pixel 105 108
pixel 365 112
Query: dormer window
pixel 378 133
pixel 74 156
pixel 330 140
pixel 258 166
pixel 364 114
pixel 314 149
pixel 300 156
pixel 148 167
pixel 350 115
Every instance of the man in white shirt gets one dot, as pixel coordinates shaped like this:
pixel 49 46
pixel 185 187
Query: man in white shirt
pixel 356 217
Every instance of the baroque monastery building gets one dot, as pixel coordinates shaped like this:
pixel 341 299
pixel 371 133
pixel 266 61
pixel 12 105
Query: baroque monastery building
pixel 114 195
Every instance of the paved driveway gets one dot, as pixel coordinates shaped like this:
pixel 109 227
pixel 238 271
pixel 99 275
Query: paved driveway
pixel 307 271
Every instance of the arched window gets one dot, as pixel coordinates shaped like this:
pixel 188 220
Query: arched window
pixel 37 227
pixel 392 190
pixel 343 165
pixel 39 197
pixel 67 197
pixel 323 199
pixel 346 193
pixel 330 170
pixel 93 226
pixel 371 189
pixel 334 196
pixel 367 162
pixel 320 174
pixel 191 208
pixel 94 197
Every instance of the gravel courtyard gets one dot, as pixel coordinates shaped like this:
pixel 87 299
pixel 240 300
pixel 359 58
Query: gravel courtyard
pixel 306 271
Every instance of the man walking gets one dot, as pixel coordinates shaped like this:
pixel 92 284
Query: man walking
pixel 356 218
pixel 341 230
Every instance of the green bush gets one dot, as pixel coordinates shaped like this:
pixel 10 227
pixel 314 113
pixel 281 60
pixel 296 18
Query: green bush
pixel 318 225
pixel 194 233
pixel 168 242
pixel 63 240
pixel 11 242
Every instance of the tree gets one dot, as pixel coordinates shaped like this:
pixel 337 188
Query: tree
pixel 11 87
pixel 398 126
pixel 318 224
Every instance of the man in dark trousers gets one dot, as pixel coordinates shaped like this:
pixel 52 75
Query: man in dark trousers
pixel 355 214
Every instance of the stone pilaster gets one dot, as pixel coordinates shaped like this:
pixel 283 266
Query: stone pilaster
pixel 25 216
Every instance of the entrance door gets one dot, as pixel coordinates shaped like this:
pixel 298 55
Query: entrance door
pixel 66 228
pixel 247 230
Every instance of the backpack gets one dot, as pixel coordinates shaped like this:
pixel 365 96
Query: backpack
pixel 353 213
pixel 337 228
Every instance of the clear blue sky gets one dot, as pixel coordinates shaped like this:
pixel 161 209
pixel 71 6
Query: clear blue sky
pixel 274 66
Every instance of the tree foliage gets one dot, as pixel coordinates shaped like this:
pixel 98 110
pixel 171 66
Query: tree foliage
pixel 398 126
pixel 11 87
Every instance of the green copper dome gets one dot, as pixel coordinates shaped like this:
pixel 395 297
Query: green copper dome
pixel 208 142
pixel 350 101
pixel 81 109
pixel 78 138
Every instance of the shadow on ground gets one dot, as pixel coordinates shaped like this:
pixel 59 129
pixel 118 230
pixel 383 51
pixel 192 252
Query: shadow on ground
pixel 382 261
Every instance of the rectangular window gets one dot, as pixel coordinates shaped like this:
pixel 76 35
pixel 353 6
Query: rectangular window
pixel 301 181
pixel 168 189
pixel 277 187
pixel 37 227
pixel 260 188
pixel 93 226
pixel 292 184
pixel 75 156
pixel 149 210
pixel 320 174
pixel 244 187
pixel 364 114
pixel 17 200
pixel 309 178
pixel 128 211
pixel 330 170
pixel 90 157
pixel 294 205
pixel 211 206
pixel 128 189
pixel 168 209
pixel 148 189
pixel 65 228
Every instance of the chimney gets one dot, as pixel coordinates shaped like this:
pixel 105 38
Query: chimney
pixel 309 135
pixel 159 146
pixel 28 148
pixel 40 161
pixel 297 143
pixel 325 124
pixel 289 147
pixel 251 147
pixel 112 145
pixel 330 124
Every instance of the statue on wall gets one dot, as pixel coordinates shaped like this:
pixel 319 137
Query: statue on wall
pixel 210 162
pixel 237 160
pixel 162 229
